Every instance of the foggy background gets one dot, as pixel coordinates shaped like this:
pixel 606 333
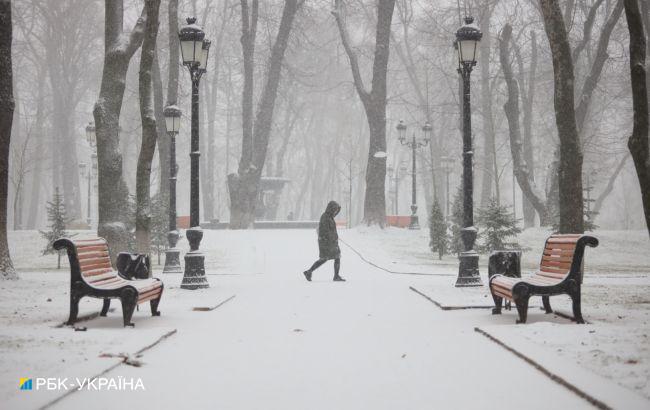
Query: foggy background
pixel 319 138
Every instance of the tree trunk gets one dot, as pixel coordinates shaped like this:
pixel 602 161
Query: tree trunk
pixel 374 103
pixel 596 69
pixel 244 186
pixel 164 143
pixel 570 170
pixel 34 203
pixel 638 143
pixel 489 173
pixel 113 192
pixel 174 51
pixel 7 270
pixel 528 101
pixel 149 131
pixel 523 173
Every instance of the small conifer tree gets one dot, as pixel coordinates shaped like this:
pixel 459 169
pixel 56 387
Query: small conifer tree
pixel 56 215
pixel 499 228
pixel 159 226
pixel 437 230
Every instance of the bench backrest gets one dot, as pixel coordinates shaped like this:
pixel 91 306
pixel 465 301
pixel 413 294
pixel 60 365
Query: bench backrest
pixel 563 255
pixel 89 259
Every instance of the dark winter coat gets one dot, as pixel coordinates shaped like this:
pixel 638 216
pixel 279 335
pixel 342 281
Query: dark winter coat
pixel 328 238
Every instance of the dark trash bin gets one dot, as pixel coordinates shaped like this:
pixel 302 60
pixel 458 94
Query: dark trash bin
pixel 507 263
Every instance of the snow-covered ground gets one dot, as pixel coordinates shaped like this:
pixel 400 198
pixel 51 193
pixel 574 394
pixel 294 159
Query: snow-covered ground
pixel 368 343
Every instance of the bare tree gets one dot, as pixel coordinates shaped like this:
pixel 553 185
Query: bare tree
pixel 570 167
pixel 522 172
pixel 119 47
pixel 7 270
pixel 638 142
pixel 374 103
pixel 528 101
pixel 244 185
pixel 149 131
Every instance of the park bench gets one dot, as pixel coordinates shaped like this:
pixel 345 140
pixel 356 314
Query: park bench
pixel 91 274
pixel 560 272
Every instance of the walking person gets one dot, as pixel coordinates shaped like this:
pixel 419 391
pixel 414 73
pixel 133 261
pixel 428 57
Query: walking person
pixel 328 242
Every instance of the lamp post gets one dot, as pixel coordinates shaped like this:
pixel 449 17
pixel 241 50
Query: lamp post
pixel 172 256
pixel 396 174
pixel 86 172
pixel 467 38
pixel 414 144
pixel 194 50
pixel 446 167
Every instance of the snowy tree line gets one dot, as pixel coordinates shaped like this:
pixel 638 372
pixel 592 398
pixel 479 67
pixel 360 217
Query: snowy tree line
pixel 316 109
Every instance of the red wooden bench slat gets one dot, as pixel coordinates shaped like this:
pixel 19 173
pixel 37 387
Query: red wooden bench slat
pixel 90 249
pixel 95 271
pixel 91 255
pixel 562 246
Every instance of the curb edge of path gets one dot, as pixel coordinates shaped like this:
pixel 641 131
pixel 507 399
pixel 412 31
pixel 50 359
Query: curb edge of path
pixel 441 307
pixel 546 372
pixel 108 369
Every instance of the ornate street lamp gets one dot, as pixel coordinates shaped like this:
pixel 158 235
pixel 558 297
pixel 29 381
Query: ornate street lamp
pixel 172 256
pixel 467 38
pixel 396 173
pixel 194 50
pixel 447 164
pixel 87 172
pixel 414 144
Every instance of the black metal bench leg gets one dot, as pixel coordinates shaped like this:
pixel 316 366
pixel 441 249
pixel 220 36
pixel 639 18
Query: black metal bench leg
pixel 107 305
pixel 577 311
pixel 154 306
pixel 522 309
pixel 497 304
pixel 129 299
pixel 74 308
pixel 547 304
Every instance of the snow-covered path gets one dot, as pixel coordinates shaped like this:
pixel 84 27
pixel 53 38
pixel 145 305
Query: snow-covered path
pixel 284 343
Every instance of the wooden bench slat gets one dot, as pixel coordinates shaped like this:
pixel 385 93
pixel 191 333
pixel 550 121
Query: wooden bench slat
pixel 94 261
pixel 103 265
pixel 101 276
pixel 102 248
pixel 562 266
pixel 557 258
pixel 562 246
pixel 570 239
pixel 93 272
pixel 94 254
pixel 553 269
pixel 552 275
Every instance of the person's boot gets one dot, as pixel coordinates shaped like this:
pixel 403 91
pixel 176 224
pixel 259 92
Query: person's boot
pixel 307 275
pixel 337 278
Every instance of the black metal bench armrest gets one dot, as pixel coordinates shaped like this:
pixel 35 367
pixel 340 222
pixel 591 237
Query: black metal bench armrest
pixel 68 245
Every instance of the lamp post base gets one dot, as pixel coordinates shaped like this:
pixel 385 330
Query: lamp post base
pixel 415 221
pixel 468 274
pixel 194 276
pixel 173 261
